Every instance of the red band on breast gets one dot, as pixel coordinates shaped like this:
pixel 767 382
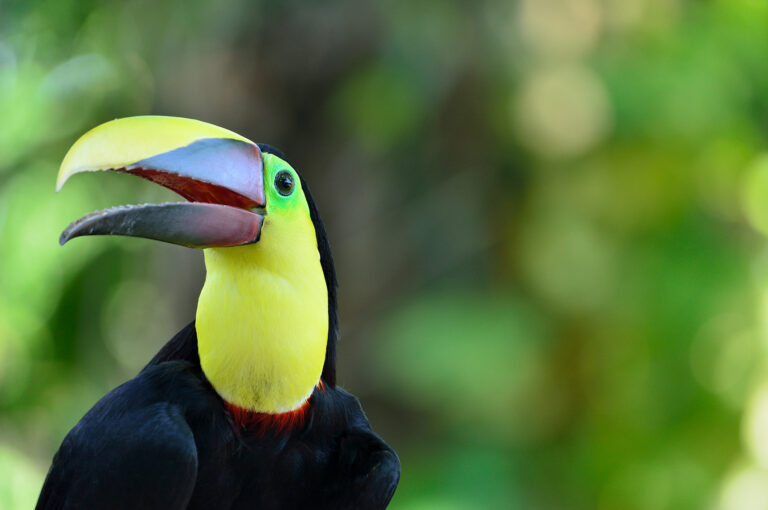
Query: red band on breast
pixel 263 423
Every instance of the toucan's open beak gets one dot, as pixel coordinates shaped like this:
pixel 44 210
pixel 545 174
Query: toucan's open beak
pixel 218 171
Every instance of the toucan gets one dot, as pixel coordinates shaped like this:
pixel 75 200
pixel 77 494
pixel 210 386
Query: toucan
pixel 240 409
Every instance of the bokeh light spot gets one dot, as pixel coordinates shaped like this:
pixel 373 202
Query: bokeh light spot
pixel 569 27
pixel 562 111
pixel 747 489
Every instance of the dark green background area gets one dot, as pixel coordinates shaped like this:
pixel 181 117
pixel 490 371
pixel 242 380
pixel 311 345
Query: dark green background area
pixel 547 218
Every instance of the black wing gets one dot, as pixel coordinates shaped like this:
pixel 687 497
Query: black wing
pixel 368 471
pixel 132 450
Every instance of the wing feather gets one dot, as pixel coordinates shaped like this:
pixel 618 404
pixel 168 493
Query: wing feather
pixel 127 452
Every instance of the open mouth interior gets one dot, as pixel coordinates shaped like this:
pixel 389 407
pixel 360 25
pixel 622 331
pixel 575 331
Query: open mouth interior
pixel 192 189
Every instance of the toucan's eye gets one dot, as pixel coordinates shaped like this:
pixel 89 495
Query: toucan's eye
pixel 284 183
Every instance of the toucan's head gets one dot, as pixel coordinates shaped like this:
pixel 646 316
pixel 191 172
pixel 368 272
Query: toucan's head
pixel 266 317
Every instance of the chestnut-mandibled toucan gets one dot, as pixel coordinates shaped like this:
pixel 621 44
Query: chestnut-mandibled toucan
pixel 240 409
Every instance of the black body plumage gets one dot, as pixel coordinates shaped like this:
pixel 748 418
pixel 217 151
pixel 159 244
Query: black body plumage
pixel 164 440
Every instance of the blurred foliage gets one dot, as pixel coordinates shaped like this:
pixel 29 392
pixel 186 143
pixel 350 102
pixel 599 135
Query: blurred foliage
pixel 547 217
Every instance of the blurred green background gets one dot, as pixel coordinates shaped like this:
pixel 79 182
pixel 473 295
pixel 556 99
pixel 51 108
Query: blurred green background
pixel 548 220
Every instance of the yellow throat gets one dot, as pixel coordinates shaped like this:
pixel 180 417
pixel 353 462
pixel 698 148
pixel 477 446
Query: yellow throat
pixel 262 316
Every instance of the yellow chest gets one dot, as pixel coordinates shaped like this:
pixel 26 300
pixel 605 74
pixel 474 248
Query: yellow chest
pixel 262 318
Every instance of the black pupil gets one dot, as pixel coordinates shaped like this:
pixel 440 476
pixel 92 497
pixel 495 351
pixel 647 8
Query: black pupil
pixel 284 183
